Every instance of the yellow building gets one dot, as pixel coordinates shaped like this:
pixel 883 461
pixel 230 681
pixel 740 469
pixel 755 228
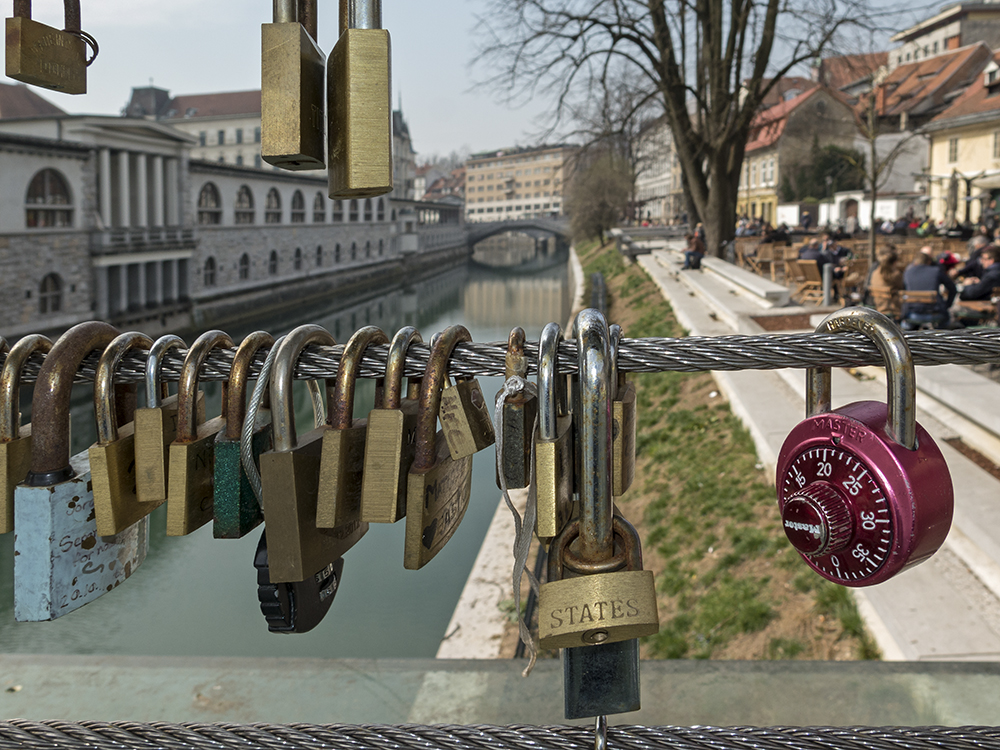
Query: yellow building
pixel 965 151
pixel 516 183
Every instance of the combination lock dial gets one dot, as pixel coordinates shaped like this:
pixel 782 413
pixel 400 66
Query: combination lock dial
pixel 863 491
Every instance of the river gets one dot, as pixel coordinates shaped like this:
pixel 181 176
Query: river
pixel 196 595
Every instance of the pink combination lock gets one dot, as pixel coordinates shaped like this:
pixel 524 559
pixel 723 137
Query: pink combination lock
pixel 863 491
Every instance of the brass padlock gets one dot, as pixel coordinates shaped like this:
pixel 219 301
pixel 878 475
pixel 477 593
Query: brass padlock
pixel 553 440
pixel 112 457
pixel 190 492
pixel 237 510
pixel 465 416
pixel 518 414
pixel 292 96
pixel 359 105
pixel 156 425
pixel 392 430
pixel 289 475
pixel 438 486
pixel 623 412
pixel 15 438
pixel 343 460
pixel 44 56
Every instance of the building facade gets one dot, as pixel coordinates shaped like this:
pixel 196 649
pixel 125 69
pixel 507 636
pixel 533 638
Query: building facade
pixel 517 183
pixel 659 190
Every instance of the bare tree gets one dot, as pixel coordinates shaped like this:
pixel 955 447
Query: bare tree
pixel 707 62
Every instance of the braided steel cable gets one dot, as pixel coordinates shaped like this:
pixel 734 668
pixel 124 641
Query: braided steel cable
pixel 32 735
pixel 691 354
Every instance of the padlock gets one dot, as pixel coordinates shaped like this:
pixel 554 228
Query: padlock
pixel 465 415
pixel 342 463
pixel 112 457
pixel 292 95
pixel 863 491
pixel 190 486
pixel 518 413
pixel 15 438
pixel 156 426
pixel 289 475
pixel 392 431
pixel 438 486
pixel 237 510
pixel 553 441
pixel 601 678
pixel 45 56
pixel 623 416
pixel 60 562
pixel 358 103
pixel 295 607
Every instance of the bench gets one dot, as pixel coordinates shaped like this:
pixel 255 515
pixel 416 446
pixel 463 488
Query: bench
pixel 772 292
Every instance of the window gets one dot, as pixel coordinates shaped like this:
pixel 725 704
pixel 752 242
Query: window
pixel 239 160
pixel 368 209
pixel 222 137
pixel 256 135
pixel 953 150
pixel 352 214
pixel 272 263
pixel 208 272
pixel 244 267
pixel 368 249
pixel 272 207
pixel 257 161
pixel 996 144
pixel 50 294
pixel 354 251
pixel 380 211
pixel 202 138
pixel 319 256
pixel 209 205
pixel 297 263
pixel 381 249
pixel 244 213
pixel 338 211
pixel 298 208
pixel 319 208
pixel 336 254
pixel 48 188
pixel 935 47
pixel 239 135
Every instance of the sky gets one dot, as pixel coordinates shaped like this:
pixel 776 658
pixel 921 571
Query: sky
pixel 203 46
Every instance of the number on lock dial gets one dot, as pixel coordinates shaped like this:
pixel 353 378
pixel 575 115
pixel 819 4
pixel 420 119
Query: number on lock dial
pixel 834 512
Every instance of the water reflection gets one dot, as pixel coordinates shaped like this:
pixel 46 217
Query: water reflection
pixel 196 595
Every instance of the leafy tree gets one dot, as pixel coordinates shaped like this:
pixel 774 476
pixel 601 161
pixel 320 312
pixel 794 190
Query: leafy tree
pixel 598 195
pixel 703 61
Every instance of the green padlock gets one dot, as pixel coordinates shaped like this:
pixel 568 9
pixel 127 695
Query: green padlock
pixel 237 510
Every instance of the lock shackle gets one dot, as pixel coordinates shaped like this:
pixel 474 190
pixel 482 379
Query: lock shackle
pixel 282 412
pixel 551 405
pixel 360 14
pixel 187 388
pixel 285 11
pixel 628 551
pixel 596 540
pixel 71 12
pixel 431 386
pixel 105 400
pixel 307 17
pixel 10 381
pixel 900 375
pixel 394 365
pixel 347 374
pixel 156 390
pixel 617 376
pixel 515 363
pixel 50 401
pixel 235 407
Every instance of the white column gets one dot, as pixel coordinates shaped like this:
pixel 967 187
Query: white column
pixel 102 292
pixel 142 285
pixel 141 199
pixel 123 287
pixel 173 219
pixel 105 187
pixel 157 191
pixel 175 286
pixel 124 190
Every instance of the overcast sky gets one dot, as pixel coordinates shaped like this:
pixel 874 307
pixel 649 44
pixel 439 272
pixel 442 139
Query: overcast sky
pixel 203 46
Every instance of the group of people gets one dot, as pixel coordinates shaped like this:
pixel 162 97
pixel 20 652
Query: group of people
pixel 979 274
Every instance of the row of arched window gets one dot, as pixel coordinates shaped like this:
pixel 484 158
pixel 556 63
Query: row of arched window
pixel 210 270
pixel 244 212
pixel 50 294
pixel 48 204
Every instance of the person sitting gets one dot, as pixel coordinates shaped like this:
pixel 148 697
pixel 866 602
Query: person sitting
pixel 924 275
pixel 971 267
pixel 694 252
pixel 982 288
pixel 886 282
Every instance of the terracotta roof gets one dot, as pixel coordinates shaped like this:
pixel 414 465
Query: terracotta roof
pixel 976 99
pixel 20 101
pixel 841 71
pixel 225 104
pixel 785 85
pixel 769 124
pixel 920 87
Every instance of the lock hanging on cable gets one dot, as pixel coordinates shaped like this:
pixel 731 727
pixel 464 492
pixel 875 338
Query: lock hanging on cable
pixel 553 440
pixel 863 491
pixel 518 414
pixel 60 562
pixel 44 56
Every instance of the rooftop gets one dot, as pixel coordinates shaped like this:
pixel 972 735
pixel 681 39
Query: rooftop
pixel 923 86
pixel 17 101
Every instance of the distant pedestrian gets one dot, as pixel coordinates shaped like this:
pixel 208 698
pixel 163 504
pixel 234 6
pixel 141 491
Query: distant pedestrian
pixel 807 221
pixel 694 252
